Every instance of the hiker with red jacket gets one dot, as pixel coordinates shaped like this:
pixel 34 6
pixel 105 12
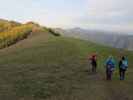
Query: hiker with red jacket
pixel 93 62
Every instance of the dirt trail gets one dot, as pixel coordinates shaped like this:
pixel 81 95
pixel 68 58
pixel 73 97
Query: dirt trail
pixel 108 90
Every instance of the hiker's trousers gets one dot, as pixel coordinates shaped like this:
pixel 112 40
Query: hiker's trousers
pixel 109 74
pixel 122 73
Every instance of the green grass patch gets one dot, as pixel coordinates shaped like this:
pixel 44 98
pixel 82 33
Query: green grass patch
pixel 44 67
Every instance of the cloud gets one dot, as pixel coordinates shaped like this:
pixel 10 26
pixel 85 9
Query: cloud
pixel 112 9
pixel 108 14
pixel 110 5
pixel 97 14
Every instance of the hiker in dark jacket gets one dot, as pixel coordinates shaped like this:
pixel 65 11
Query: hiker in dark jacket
pixel 123 65
pixel 110 66
pixel 93 62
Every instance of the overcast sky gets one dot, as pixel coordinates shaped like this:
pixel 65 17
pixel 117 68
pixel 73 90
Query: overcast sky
pixel 115 15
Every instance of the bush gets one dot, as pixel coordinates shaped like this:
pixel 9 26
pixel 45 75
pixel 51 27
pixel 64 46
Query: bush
pixel 7 25
pixel 53 32
pixel 14 35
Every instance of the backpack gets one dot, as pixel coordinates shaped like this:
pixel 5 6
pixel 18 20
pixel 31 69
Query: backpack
pixel 124 64
pixel 110 65
pixel 110 62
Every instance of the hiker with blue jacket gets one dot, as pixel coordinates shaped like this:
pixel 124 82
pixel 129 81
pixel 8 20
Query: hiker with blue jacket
pixel 110 67
pixel 123 65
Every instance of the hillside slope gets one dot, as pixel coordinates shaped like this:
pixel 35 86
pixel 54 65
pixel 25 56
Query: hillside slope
pixel 107 38
pixel 45 67
pixel 6 25
pixel 12 32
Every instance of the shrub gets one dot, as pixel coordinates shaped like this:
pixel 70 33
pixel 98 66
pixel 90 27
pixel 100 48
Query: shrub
pixel 14 35
pixel 53 32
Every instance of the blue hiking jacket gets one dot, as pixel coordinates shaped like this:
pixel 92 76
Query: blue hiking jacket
pixel 110 62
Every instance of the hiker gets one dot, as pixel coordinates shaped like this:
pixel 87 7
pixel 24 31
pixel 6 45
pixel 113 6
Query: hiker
pixel 110 66
pixel 93 62
pixel 123 65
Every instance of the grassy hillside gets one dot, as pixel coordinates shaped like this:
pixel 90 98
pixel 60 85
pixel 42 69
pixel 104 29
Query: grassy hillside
pixel 12 32
pixel 6 25
pixel 45 67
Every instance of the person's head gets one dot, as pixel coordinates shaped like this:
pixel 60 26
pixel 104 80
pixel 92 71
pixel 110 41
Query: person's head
pixel 123 58
pixel 93 56
pixel 110 57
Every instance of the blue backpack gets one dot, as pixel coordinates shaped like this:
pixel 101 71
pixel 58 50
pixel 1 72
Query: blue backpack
pixel 124 64
pixel 110 64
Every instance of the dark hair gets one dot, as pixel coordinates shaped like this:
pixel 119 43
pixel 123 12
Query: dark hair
pixel 123 58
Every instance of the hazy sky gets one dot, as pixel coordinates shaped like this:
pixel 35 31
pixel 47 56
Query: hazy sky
pixel 116 15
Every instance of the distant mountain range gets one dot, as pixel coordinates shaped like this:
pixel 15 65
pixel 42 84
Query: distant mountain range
pixel 117 40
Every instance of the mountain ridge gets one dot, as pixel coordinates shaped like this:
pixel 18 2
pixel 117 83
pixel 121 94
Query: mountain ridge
pixel 107 38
